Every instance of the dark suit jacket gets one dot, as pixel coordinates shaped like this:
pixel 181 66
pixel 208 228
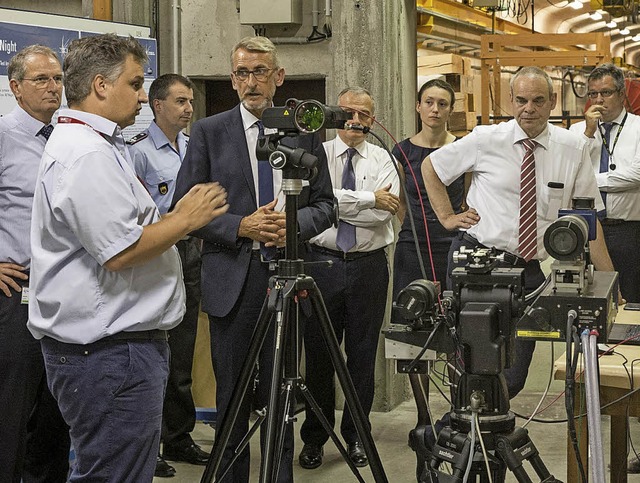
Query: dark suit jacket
pixel 218 152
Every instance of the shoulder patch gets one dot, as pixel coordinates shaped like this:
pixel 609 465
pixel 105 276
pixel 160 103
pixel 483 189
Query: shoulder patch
pixel 138 137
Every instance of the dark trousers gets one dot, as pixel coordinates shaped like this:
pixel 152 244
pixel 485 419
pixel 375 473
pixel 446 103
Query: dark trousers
pixel 516 375
pixel 34 441
pixel 623 242
pixel 110 393
pixel 355 294
pixel 230 339
pixel 179 412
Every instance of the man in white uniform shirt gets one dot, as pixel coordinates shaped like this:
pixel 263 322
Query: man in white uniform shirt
pixel 494 155
pixel 616 163
pixel 354 287
pixel 106 282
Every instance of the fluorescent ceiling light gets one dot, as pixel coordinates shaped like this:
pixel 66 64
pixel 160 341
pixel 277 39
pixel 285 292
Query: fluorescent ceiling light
pixel 576 5
pixel 636 38
pixel 611 25
pixel 624 31
pixel 595 16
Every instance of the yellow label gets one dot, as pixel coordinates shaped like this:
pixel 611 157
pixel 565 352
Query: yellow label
pixel 285 113
pixel 538 333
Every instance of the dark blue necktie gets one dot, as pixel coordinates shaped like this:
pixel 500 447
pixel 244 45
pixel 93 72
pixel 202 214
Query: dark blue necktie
pixel 346 237
pixel 45 131
pixel 604 161
pixel 265 191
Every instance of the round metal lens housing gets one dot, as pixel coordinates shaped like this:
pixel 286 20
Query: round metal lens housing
pixel 566 238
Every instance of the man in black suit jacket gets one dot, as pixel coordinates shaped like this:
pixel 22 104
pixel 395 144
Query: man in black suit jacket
pixel 234 277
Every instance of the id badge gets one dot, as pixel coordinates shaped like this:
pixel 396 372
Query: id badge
pixel 24 299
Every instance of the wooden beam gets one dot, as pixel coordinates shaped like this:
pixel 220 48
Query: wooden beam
pixel 546 50
pixel 102 10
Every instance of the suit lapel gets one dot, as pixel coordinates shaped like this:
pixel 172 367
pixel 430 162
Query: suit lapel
pixel 235 130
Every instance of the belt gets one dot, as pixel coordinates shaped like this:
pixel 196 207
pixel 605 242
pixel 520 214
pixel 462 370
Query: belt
pixel 255 254
pixel 611 221
pixel 509 258
pixel 156 334
pixel 348 256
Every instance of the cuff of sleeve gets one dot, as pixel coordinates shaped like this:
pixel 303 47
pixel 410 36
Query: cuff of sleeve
pixel 369 199
pixel 120 245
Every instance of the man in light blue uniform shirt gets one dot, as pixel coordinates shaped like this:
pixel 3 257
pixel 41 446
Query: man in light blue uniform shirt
pixel 106 282
pixel 37 449
pixel 157 155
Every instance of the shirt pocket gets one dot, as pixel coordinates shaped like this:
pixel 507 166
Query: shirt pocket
pixel 161 181
pixel 553 199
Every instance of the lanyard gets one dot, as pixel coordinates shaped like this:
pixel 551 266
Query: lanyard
pixel 615 140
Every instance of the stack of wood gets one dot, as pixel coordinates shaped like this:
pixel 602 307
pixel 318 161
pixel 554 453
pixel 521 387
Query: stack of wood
pixel 456 70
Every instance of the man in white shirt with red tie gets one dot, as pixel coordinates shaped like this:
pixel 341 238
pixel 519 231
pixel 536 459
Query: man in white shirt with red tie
pixel 613 138
pixel 495 155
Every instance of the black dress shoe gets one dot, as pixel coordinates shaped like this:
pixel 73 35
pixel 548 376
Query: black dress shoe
pixel 164 469
pixel 357 454
pixel 311 456
pixel 188 452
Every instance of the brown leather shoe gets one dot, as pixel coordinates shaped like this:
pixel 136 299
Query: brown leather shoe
pixel 357 454
pixel 311 456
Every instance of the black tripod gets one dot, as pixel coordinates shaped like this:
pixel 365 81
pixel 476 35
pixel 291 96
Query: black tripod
pixel 481 405
pixel 280 305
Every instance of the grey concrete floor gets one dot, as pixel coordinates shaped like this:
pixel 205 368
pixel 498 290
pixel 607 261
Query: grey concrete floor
pixel 390 431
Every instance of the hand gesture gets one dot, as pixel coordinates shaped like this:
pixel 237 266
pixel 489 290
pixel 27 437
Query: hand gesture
pixel 264 225
pixel 201 204
pixel 592 117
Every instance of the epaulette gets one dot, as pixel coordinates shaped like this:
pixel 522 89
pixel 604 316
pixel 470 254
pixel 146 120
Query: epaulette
pixel 138 137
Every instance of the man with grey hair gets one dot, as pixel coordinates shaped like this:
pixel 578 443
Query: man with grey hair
pixel 34 439
pixel 238 247
pixel 522 172
pixel 106 280
pixel 354 286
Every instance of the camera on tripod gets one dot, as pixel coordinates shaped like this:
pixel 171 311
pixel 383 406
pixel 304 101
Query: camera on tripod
pixel 297 117
pixel 574 285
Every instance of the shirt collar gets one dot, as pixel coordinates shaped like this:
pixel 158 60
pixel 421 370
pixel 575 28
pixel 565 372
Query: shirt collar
pixel 618 120
pixel 248 119
pixel 96 122
pixel 31 124
pixel 341 147
pixel 519 135
pixel 158 137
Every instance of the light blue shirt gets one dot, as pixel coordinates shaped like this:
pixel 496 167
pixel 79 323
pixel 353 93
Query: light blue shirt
pixel 157 163
pixel 20 153
pixel 88 207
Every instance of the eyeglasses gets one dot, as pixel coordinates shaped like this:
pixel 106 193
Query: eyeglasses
pixel 259 74
pixel 604 93
pixel 42 81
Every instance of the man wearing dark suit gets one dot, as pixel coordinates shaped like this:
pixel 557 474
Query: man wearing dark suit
pixel 234 276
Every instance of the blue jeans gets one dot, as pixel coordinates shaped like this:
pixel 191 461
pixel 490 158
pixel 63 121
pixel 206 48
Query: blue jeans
pixel 110 393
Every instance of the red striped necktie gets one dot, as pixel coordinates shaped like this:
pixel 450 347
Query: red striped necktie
pixel 528 234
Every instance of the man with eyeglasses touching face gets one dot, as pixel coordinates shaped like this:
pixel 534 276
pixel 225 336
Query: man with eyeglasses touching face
pixel 613 139
pixel 40 453
pixel 522 172
pixel 235 255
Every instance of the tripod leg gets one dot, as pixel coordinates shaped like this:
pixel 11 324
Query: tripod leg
pixel 223 431
pixel 270 447
pixel 357 413
pixel 327 427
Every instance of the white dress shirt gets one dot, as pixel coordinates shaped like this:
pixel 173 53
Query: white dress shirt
pixel 373 169
pixel 494 154
pixel 88 207
pixel 623 183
